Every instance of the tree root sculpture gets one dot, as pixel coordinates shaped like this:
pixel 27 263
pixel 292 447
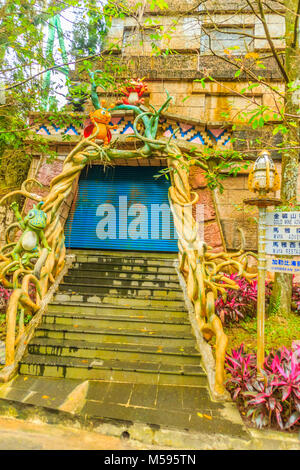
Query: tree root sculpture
pixel 203 270
pixel 48 265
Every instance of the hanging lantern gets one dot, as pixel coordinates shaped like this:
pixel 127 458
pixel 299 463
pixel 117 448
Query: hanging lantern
pixel 263 176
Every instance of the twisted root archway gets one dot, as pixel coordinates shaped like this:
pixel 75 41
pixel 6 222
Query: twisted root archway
pixel 203 270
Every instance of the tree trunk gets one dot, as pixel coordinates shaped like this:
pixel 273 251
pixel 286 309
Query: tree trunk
pixel 282 290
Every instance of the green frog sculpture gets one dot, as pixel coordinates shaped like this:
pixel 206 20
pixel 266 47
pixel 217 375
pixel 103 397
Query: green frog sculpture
pixel 33 233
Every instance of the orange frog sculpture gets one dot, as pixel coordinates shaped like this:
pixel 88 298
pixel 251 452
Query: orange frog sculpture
pixel 102 117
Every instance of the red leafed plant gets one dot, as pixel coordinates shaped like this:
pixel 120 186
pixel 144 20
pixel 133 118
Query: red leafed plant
pixel 296 298
pixel 242 368
pixel 4 298
pixel 274 398
pixel 238 303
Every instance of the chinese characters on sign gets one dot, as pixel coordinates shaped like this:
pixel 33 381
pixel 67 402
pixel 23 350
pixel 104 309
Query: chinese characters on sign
pixel 283 238
pixel 283 248
pixel 290 266
pixel 283 233
pixel 283 218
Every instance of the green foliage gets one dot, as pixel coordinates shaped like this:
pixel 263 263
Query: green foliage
pixel 280 329
pixel 218 164
pixel 24 30
pixel 88 31
pixel 161 4
pixel 288 208
pixel 14 166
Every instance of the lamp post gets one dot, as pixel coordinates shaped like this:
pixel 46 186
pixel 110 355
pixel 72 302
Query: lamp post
pixel 263 178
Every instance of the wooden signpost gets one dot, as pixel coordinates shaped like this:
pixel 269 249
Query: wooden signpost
pixel 278 237
pixel 283 242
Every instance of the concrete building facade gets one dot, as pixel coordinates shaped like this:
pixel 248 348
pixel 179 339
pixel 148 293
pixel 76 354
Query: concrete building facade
pixel 175 49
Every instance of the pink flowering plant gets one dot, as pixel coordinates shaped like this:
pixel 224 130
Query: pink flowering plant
pixel 272 399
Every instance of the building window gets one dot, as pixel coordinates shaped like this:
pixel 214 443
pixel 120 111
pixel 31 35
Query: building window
pixel 147 39
pixel 235 39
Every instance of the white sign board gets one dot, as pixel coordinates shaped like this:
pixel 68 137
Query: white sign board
pixel 283 218
pixel 279 265
pixel 282 248
pixel 283 233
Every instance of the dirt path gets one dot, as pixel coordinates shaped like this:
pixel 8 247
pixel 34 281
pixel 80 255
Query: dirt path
pixel 20 435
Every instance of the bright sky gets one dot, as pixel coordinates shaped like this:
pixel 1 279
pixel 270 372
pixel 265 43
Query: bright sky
pixel 58 79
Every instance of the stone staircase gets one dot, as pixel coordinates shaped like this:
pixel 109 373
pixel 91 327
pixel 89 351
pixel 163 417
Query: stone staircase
pixel 115 350
pixel 120 315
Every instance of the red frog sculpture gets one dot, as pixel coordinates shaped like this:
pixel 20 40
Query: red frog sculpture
pixel 102 118
pixel 133 92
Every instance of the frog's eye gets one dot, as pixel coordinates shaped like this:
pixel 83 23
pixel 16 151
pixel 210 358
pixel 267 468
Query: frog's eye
pixel 31 214
pixel 103 112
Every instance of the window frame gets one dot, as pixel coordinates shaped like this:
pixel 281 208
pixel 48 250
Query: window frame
pixel 204 50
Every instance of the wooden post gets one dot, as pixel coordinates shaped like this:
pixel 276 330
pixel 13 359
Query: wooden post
pixel 261 296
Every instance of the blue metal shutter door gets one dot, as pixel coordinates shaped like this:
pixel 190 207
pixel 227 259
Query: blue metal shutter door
pixel 134 185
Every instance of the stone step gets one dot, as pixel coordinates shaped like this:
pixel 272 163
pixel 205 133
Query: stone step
pixel 147 292
pixel 113 370
pixel 135 313
pixel 155 337
pixel 114 323
pixel 124 268
pixel 56 317
pixel 83 278
pixel 122 253
pixel 118 274
pixel 125 260
pixel 108 351
pixel 112 300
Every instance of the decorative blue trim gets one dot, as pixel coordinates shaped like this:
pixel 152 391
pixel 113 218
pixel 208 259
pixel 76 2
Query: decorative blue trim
pixel 71 128
pixel 214 137
pixel 226 141
pixel 128 126
pixel 170 128
pixel 183 133
pixel 45 129
pixel 198 134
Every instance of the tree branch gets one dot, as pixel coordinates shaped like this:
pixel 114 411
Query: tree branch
pixel 271 44
pixel 247 71
pixel 294 43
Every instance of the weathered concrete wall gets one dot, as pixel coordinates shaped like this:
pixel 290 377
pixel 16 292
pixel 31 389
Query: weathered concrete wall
pixel 209 104
pixel 189 32
pixel 44 172
pixel 213 235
